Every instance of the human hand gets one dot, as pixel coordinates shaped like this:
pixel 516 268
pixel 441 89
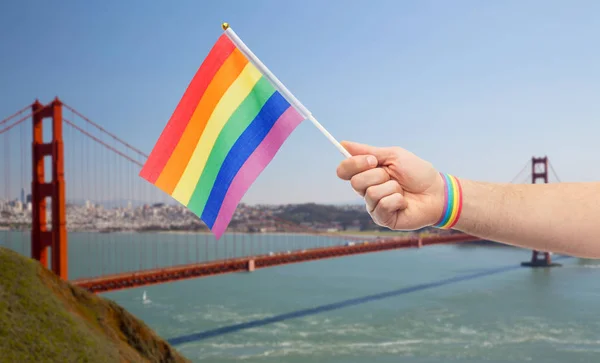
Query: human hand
pixel 401 190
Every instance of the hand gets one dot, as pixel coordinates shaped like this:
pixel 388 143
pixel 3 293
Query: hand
pixel 401 190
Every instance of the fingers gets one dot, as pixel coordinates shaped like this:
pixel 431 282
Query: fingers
pixel 364 157
pixel 381 153
pixel 360 182
pixel 356 148
pixel 355 165
pixel 386 211
pixel 375 193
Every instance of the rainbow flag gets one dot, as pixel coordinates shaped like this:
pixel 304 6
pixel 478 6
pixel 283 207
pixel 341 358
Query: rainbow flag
pixel 226 129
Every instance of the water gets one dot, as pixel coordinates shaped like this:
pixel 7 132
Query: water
pixel 337 310
pixel 94 254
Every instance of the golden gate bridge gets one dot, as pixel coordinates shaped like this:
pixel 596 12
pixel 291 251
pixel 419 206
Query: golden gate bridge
pixel 87 212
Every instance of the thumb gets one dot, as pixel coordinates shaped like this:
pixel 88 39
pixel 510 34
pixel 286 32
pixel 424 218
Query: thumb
pixel 355 148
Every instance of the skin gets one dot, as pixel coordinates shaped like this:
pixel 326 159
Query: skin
pixel 405 192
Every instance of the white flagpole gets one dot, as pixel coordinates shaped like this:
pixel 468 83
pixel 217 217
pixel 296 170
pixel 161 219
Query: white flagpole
pixel 281 88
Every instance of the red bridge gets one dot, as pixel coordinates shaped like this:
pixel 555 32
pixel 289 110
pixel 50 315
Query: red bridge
pixel 84 213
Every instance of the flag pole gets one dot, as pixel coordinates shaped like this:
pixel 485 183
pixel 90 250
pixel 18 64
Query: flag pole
pixel 280 87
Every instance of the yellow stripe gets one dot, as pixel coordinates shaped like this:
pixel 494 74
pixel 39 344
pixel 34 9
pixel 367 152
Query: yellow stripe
pixel 178 161
pixel 454 201
pixel 230 101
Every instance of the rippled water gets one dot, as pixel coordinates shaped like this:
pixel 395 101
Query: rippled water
pixel 437 304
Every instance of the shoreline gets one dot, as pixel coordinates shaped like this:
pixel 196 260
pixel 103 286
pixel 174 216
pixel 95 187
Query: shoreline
pixel 353 234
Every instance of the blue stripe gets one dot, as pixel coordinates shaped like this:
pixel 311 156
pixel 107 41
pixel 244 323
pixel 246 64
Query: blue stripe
pixel 248 141
pixel 450 201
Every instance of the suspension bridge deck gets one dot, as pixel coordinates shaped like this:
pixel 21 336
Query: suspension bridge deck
pixel 249 263
pixel 93 186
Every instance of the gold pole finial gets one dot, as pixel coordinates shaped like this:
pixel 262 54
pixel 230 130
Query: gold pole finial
pixel 225 26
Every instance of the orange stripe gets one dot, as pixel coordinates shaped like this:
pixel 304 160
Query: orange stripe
pixel 185 109
pixel 178 161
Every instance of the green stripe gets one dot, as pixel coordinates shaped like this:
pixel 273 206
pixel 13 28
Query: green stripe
pixel 235 126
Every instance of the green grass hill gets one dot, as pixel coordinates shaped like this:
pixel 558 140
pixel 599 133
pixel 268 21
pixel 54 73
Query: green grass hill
pixel 45 319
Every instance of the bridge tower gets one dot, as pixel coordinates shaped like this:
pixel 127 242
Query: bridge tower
pixel 539 171
pixel 53 190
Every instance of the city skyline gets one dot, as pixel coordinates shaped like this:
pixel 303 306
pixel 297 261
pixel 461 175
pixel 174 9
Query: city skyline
pixel 25 198
pixel 92 217
pixel 477 88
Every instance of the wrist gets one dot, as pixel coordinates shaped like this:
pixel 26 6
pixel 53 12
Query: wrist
pixel 452 202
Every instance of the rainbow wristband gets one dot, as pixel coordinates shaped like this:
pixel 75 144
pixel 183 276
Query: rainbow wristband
pixel 452 202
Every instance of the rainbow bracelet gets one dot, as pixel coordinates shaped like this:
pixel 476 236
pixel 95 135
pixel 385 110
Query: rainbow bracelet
pixel 453 200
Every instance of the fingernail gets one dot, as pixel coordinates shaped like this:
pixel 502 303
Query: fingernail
pixel 371 160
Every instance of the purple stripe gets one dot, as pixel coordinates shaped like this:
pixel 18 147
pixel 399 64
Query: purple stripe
pixel 254 165
pixel 437 224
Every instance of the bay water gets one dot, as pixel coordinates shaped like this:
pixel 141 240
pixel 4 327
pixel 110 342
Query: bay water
pixel 435 304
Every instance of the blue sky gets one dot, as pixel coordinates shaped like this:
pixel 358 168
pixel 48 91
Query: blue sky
pixel 476 87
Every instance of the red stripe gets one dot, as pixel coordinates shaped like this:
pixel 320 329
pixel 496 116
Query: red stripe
pixel 185 109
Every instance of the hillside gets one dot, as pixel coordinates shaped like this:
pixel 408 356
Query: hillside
pixel 319 215
pixel 344 217
pixel 44 319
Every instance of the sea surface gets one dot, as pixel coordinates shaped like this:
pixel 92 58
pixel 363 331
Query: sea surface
pixel 435 304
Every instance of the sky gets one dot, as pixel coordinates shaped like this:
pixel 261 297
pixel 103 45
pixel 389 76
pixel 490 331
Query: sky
pixel 475 87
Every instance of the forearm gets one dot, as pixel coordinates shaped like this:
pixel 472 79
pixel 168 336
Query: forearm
pixel 563 217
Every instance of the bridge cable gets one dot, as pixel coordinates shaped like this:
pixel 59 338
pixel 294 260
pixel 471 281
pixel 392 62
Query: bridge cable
pixel 521 171
pixel 101 142
pixel 105 131
pixel 526 180
pixel 554 171
pixel 15 114
pixel 19 121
